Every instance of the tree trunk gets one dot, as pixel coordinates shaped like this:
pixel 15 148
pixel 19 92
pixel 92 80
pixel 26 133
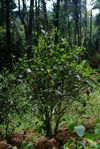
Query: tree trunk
pixel 30 27
pixel 99 41
pixel 56 22
pixel 8 36
pixel 37 7
pixel 90 47
pixel 76 18
pixel 45 15
pixel 80 25
pixel 22 15
pixel 48 125
pixel 85 24
pixel 69 34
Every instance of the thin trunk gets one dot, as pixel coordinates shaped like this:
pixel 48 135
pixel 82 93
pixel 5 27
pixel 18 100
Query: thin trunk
pixel 57 15
pixel 48 125
pixel 57 124
pixel 80 27
pixel 69 35
pixel 99 41
pixel 24 7
pixel 8 36
pixel 45 15
pixel 76 18
pixel 57 20
pixel 22 19
pixel 90 47
pixel 85 24
pixel 37 6
pixel 38 14
pixel 0 61
pixel 30 27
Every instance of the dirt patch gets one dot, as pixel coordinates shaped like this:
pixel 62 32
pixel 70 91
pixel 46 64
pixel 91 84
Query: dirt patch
pixel 89 124
pixel 17 138
pixel 4 145
pixel 44 143
pixel 63 135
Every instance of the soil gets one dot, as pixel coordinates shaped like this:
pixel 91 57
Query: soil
pixel 63 136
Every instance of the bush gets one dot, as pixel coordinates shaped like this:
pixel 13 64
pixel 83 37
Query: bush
pixel 56 77
pixel 50 82
pixel 12 100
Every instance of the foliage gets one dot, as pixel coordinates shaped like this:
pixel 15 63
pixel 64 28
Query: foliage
pixel 12 100
pixel 49 82
pixel 55 78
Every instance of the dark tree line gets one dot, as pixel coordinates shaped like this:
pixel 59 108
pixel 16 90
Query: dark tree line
pixel 20 28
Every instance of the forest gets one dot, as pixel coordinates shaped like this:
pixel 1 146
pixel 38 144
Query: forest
pixel 49 74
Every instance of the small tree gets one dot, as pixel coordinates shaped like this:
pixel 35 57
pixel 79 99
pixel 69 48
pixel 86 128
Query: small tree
pixel 56 78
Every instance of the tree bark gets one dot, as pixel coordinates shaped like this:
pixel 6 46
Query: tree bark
pixel 90 47
pixel 99 41
pixel 48 125
pixel 45 15
pixel 8 36
pixel 76 18
pixel 56 22
pixel 37 7
pixel 85 24
pixel 30 27
pixel 80 25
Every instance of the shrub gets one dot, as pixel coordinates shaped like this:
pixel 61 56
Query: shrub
pixel 50 81
pixel 12 100
pixel 56 77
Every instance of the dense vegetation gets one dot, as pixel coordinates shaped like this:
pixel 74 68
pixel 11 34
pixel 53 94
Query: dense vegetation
pixel 49 69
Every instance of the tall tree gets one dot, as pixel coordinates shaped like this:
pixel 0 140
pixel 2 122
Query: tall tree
pixel 56 19
pixel 97 6
pixel 80 23
pixel 85 22
pixel 30 27
pixel 45 14
pixel 90 44
pixel 76 19
pixel 99 36
pixel 27 21
pixel 37 22
pixel 8 35
pixel 2 12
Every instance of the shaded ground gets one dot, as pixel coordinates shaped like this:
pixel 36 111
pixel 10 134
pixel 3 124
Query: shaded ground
pixel 63 136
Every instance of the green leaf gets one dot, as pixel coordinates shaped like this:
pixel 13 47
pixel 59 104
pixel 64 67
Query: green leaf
pixel 71 127
pixel 98 146
pixel 30 146
pixel 91 136
pixel 14 147
pixel 80 130
pixel 24 143
pixel 83 145
pixel 92 143
pixel 97 131
pixel 67 144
